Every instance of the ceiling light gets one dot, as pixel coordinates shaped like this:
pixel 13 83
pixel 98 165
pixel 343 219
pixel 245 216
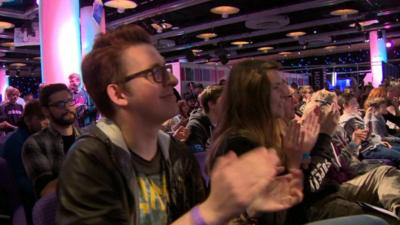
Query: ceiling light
pixel 121 5
pixel 240 43
pixel 225 10
pixel 206 36
pixel 285 53
pixel 8 44
pixel 36 58
pixel 265 49
pixel 196 51
pixel 344 12
pixel 365 23
pixel 296 34
pixel 5 25
pixel 330 48
pixel 18 64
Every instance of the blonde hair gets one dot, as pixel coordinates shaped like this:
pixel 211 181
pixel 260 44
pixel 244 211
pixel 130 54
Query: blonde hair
pixel 321 97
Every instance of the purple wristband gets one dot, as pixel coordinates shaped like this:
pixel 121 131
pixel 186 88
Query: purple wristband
pixel 196 216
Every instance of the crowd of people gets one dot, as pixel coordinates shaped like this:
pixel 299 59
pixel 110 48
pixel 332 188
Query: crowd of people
pixel 276 153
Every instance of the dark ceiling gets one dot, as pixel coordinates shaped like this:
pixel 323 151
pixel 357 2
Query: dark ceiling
pixel 274 18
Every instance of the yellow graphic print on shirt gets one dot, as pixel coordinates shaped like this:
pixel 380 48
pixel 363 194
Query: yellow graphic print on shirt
pixel 153 199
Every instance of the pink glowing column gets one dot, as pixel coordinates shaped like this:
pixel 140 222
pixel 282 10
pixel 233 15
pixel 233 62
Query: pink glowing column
pixel 378 55
pixel 3 82
pixel 90 28
pixel 60 39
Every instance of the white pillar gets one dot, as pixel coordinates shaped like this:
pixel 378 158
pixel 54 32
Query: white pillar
pixel 378 55
pixel 60 39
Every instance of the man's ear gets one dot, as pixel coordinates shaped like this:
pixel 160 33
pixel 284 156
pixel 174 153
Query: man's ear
pixel 117 95
pixel 46 112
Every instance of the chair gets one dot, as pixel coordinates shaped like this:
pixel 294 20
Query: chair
pixel 8 185
pixel 19 217
pixel 201 159
pixel 44 211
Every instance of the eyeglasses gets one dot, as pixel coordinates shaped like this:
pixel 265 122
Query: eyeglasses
pixel 63 103
pixel 159 73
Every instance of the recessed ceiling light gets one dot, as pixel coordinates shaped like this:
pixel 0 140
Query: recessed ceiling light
pixel 240 43
pixel 296 34
pixel 225 10
pixel 206 36
pixel 121 5
pixel 330 48
pixel 8 44
pixel 344 12
pixel 18 64
pixel 285 53
pixel 197 50
pixel 5 25
pixel 265 49
pixel 365 23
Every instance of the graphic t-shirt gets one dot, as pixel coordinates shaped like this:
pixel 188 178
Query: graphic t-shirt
pixel 153 195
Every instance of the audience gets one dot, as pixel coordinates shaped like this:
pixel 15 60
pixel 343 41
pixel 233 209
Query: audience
pixel 377 185
pixel 44 152
pixel 10 110
pixel 85 108
pixel 32 121
pixel 203 120
pixel 276 154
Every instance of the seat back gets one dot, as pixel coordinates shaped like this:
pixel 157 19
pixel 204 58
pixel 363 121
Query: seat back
pixel 8 186
pixel 44 211
pixel 201 159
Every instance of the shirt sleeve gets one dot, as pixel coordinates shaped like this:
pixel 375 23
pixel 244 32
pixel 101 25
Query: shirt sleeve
pixel 37 165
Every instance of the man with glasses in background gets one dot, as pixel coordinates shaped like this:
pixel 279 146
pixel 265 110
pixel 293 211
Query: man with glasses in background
pixel 44 152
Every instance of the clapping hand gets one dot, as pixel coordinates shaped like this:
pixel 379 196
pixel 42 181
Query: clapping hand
pixel 282 193
pixel 301 139
pixel 237 181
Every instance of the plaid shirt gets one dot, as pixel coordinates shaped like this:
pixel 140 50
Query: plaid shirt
pixel 43 155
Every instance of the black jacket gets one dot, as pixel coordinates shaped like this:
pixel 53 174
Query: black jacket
pixel 200 131
pixel 98 183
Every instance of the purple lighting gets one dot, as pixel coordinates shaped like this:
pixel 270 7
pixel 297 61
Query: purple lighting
pixel 389 44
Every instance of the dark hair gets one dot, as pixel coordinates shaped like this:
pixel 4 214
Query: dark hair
pixel 344 99
pixel 103 66
pixel 33 108
pixel 49 90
